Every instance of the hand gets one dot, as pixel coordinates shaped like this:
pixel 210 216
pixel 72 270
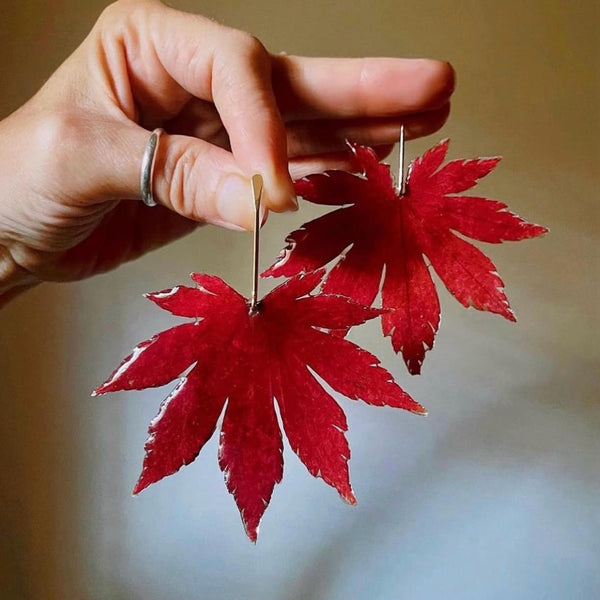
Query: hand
pixel 72 154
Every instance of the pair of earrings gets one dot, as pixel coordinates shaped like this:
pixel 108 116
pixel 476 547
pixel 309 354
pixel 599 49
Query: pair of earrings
pixel 239 356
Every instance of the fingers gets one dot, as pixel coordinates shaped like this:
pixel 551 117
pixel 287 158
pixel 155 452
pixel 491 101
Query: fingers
pixel 314 146
pixel 308 165
pixel 200 119
pixel 202 182
pixel 361 99
pixel 310 137
pixel 313 136
pixel 243 95
pixel 192 177
pixel 359 87
pixel 233 70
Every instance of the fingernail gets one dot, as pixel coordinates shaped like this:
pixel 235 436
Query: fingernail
pixel 292 200
pixel 234 202
pixel 282 196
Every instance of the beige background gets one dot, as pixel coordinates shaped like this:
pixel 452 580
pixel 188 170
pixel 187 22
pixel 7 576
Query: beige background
pixel 495 495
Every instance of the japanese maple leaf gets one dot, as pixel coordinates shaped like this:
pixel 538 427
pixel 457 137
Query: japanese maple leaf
pixel 243 360
pixel 383 228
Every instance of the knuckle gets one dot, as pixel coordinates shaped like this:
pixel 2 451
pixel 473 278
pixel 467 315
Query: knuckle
pixel 242 75
pixel 118 7
pixel 179 188
pixel 248 46
pixel 121 11
pixel 112 12
pixel 364 83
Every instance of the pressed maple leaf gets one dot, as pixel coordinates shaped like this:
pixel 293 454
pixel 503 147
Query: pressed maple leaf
pixel 379 228
pixel 244 360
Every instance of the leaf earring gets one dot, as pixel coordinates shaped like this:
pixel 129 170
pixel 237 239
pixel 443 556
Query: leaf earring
pixel 241 355
pixel 238 357
pixel 396 227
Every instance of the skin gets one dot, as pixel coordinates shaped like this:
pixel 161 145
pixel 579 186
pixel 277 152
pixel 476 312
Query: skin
pixel 71 156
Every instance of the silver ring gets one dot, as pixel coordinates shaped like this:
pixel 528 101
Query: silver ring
pixel 147 175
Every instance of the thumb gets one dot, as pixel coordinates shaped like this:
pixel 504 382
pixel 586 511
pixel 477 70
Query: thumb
pixel 192 177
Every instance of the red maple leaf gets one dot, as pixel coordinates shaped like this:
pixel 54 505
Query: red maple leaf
pixel 244 360
pixel 383 228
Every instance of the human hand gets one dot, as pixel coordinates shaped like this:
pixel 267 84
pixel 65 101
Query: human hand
pixel 72 154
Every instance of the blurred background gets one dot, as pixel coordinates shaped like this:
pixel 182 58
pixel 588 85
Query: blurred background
pixel 495 495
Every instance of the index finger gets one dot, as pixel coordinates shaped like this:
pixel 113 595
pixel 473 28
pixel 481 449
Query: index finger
pixel 233 70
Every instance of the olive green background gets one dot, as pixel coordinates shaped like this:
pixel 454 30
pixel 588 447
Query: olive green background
pixel 495 495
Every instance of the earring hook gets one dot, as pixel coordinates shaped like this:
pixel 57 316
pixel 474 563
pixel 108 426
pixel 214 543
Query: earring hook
pixel 256 184
pixel 401 177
